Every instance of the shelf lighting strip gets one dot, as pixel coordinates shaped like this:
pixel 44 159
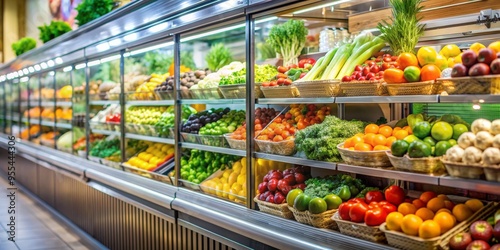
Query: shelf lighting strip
pixel 320 6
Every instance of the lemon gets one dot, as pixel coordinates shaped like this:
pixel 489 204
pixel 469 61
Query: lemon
pixel 218 189
pixel 231 194
pixel 450 50
pixel 242 178
pixel 226 173
pixel 476 47
pixel 237 167
pixel 226 189
pixel 244 162
pixel 216 180
pixel 150 166
pixel 153 159
pixel 233 177
pixel 243 170
pixel 236 187
pixel 171 150
pixel 242 193
pixel 223 180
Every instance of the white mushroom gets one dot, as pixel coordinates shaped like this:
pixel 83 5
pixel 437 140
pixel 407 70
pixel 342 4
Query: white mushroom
pixel 472 155
pixel 455 154
pixel 466 140
pixel 491 156
pixel 483 140
pixel 480 125
pixel 495 127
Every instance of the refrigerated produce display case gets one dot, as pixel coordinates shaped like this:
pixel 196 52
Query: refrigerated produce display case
pixel 263 124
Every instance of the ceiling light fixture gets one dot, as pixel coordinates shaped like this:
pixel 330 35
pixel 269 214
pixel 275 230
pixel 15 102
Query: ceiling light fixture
pixel 320 6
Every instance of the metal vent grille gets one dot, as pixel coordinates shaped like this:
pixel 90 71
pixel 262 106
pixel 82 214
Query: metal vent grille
pixel 191 240
pixel 46 183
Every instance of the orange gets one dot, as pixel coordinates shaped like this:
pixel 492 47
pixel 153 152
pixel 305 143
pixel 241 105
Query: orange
pixel 410 224
pixel 393 75
pixel 393 221
pixel 445 220
pixel 408 129
pixel 429 229
pixel 356 139
pixel 379 140
pixel 351 148
pixel 443 196
pixel 385 131
pixel 401 134
pixel 368 138
pixel 474 204
pixel 435 204
pixel 446 210
pixel 425 213
pixel 363 147
pixel 462 212
pixel 390 140
pixel 406 208
pixel 348 143
pixel 427 196
pixel 449 204
pixel 371 128
pixel 418 203
pixel 430 72
pixel 407 59
pixel 381 147
pixel 426 55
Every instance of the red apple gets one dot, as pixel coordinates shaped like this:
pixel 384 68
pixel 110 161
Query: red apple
pixel 460 241
pixel 459 70
pixel 495 66
pixel 486 56
pixel 481 230
pixel 496 231
pixel 498 55
pixel 479 69
pixel 478 245
pixel 469 58
pixel 495 247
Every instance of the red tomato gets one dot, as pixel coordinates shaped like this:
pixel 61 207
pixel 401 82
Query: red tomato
pixel 375 217
pixel 282 69
pixel 292 66
pixel 388 207
pixel 376 196
pixel 288 82
pixel 373 204
pixel 395 195
pixel 344 209
pixel 358 200
pixel 358 211
pixel 302 62
pixel 311 61
pixel 281 75
pixel 385 66
pixel 358 68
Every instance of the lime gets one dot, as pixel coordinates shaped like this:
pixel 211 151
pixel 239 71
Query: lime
pixel 429 140
pixel 442 147
pixel 453 142
pixel 290 197
pixel 399 147
pixel 301 202
pixel 459 129
pixel 411 138
pixel 317 205
pixel 422 129
pixel 412 74
pixel 332 201
pixel 442 131
pixel 419 149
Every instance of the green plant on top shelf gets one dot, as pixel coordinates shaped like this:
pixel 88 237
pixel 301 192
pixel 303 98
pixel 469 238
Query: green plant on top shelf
pixel 23 45
pixel 288 39
pixel 218 57
pixel 89 10
pixel 53 30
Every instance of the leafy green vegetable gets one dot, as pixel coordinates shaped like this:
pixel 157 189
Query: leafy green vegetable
pixel 23 45
pixel 53 30
pixel 89 10
pixel 265 51
pixel 341 184
pixel 199 164
pixel 105 148
pixel 319 141
pixel 288 39
pixel 218 57
pixel 263 73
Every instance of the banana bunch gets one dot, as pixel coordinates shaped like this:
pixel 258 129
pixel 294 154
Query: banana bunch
pixel 145 91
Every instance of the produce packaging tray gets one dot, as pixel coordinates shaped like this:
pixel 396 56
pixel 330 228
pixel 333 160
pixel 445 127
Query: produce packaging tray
pixel 322 88
pixel 463 170
pixel 280 92
pixel 193 138
pixel 185 94
pixel 280 210
pixel 413 88
pixel 113 126
pixel 362 88
pixel 238 91
pixel 286 147
pixel 407 242
pixel 492 173
pixel 190 185
pixel 209 93
pixel 112 164
pixel 164 94
pixel 110 96
pixel 141 96
pixel 359 230
pixel 375 159
pixel 235 144
pixel 427 165
pixel 147 174
pixel 489 84
pixel 213 140
pixel 140 129
pixel 220 193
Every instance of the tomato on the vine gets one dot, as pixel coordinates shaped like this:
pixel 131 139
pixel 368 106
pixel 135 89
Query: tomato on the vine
pixel 375 216
pixel 395 195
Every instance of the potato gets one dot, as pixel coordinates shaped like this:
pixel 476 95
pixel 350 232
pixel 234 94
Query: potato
pixel 496 141
pixel 480 125
pixel 491 156
pixel 483 140
pixel 455 154
pixel 472 155
pixel 466 140
pixel 495 127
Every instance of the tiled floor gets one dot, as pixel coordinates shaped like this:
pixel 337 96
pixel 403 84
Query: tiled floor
pixel 35 227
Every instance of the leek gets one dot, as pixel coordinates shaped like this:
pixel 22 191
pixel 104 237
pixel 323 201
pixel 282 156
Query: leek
pixel 320 66
pixel 337 62
pixel 361 55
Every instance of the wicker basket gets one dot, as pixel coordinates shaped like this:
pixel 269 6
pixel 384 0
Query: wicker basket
pixel 492 173
pixel 375 159
pixel 414 88
pixel 407 242
pixel 462 170
pixel 427 165
pixel 208 93
pixel 238 91
pixel 313 89
pixel 471 85
pixel 323 220
pixel 359 230
pixel 286 147
pixel 280 210
pixel 361 88
pixel 280 92
pixel 300 216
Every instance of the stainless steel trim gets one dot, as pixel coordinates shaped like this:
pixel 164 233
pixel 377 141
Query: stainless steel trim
pixel 295 100
pixel 297 160
pixel 149 138
pixel 231 151
pixel 390 174
pixel 210 234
